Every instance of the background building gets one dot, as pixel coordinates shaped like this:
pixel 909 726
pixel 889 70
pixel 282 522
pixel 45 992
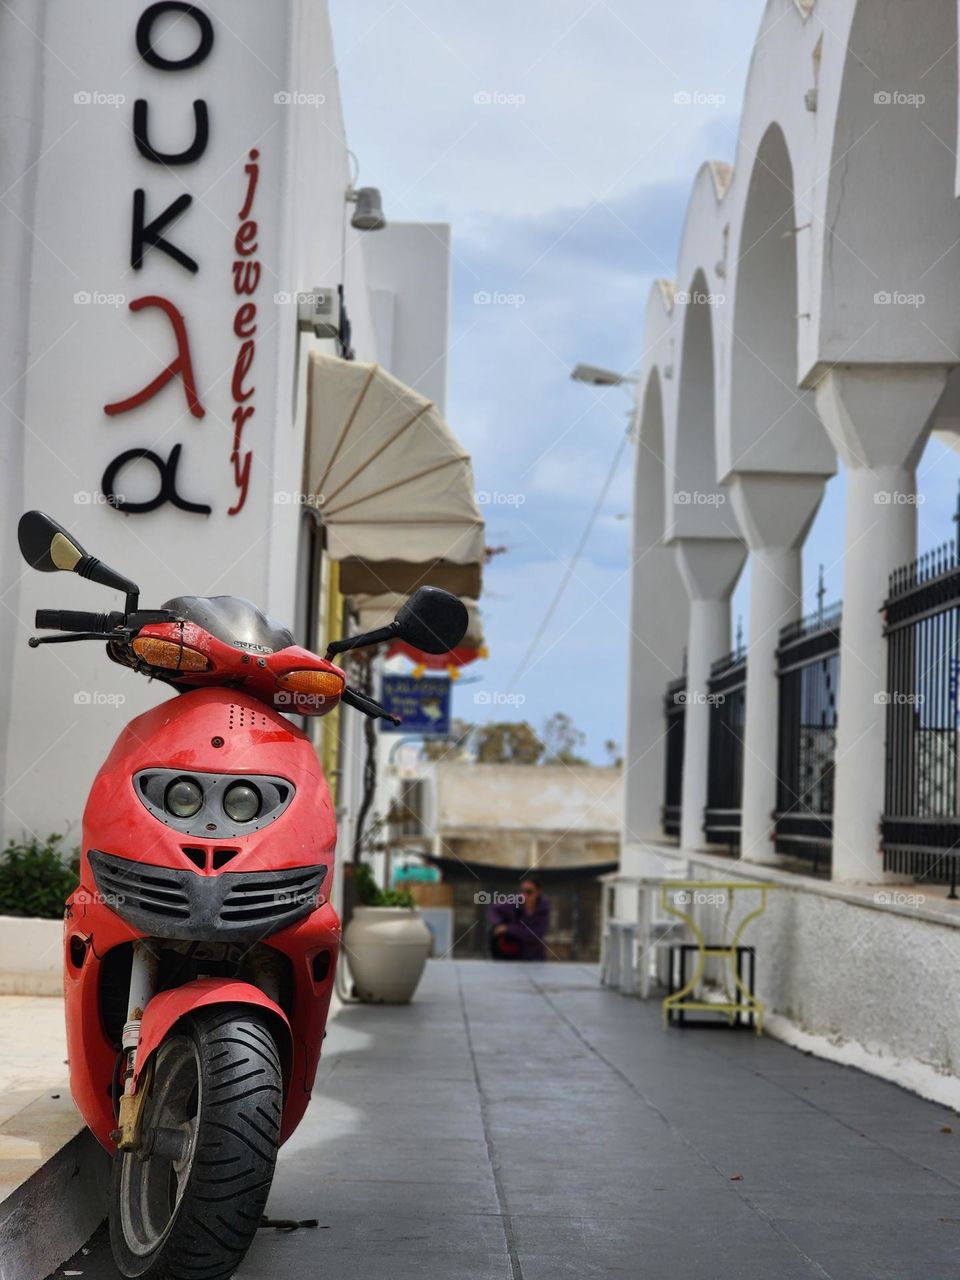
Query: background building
pixel 180 240
pixel 484 826
pixel 812 325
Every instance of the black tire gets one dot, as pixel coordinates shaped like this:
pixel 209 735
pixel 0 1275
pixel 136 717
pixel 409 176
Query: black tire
pixel 211 1197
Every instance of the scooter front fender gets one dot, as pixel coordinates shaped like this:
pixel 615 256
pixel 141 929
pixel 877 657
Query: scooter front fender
pixel 165 1010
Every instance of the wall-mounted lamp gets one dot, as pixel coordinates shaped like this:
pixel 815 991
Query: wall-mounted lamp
pixel 368 215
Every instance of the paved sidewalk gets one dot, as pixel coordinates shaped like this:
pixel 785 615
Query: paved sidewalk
pixel 519 1123
pixel 37 1116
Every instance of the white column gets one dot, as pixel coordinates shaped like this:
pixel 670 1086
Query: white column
pixel 877 418
pixel 709 568
pixel 659 621
pixel 774 511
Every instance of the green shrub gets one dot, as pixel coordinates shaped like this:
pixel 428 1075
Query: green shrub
pixel 370 894
pixel 36 878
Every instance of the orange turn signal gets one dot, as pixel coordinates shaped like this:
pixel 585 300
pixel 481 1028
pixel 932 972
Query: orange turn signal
pixel 169 655
pixel 325 684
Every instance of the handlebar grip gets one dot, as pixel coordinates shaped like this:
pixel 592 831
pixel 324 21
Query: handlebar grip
pixel 73 620
pixel 353 698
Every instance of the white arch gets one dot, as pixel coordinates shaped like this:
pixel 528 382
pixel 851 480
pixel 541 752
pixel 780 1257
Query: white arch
pixel 659 617
pixel 768 424
pixel 859 172
pixel 842 195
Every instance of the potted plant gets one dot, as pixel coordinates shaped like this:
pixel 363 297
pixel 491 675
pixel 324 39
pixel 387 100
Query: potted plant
pixel 387 942
pixel 35 879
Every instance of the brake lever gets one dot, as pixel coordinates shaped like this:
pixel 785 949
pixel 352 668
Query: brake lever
pixel 67 636
pixel 368 706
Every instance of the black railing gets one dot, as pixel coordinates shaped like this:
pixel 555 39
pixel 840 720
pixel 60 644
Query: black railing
pixel 920 828
pixel 808 665
pixel 727 696
pixel 674 703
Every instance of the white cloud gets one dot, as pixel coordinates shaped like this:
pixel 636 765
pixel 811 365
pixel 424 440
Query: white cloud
pixel 598 83
pixel 574 199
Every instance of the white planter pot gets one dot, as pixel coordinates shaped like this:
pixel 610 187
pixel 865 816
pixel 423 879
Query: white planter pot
pixel 31 956
pixel 387 949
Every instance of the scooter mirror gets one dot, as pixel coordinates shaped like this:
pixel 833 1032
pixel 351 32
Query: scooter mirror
pixel 432 620
pixel 46 545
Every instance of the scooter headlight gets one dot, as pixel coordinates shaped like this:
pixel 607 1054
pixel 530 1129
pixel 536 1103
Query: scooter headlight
pixel 241 802
pixel 183 798
pixel 213 806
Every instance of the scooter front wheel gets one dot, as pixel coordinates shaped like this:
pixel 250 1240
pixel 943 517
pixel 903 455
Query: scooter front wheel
pixel 188 1204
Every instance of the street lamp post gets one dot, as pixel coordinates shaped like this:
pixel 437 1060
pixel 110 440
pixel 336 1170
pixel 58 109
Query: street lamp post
pixel 594 376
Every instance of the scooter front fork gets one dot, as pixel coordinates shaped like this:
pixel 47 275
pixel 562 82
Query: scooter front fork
pixel 143 984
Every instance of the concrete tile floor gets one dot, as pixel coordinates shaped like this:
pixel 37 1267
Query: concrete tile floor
pixel 519 1123
pixel 33 1050
pixel 37 1115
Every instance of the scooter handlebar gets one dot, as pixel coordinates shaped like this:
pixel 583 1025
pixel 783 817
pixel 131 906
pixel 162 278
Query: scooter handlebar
pixel 76 620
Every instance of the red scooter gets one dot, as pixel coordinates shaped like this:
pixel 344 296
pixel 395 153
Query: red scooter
pixel 200 945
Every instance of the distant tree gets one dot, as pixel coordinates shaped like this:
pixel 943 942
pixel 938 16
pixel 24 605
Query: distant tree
pixel 502 743
pixel 563 741
pixel 614 754
pixel 452 746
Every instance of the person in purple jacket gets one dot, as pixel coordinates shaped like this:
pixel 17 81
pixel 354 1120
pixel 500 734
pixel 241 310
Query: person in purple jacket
pixel 518 928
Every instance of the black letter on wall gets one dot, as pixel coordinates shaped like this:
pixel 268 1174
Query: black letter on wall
pixel 166 470
pixel 145 36
pixel 148 234
pixel 201 133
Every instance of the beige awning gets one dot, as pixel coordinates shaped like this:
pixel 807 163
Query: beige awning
pixel 391 482
pixel 378 611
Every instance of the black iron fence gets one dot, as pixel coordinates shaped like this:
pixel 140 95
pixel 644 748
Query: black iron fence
pixel 920 828
pixel 808 666
pixel 727 696
pixel 674 703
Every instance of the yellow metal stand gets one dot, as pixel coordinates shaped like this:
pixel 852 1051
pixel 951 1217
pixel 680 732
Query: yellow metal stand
pixel 695 892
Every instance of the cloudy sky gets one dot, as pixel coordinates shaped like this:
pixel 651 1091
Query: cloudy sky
pixel 548 134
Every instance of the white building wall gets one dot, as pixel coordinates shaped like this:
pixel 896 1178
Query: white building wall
pixel 69 167
pixel 578 799
pixel 408 273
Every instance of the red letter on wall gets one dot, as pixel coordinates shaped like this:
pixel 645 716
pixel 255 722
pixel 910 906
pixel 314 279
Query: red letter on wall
pixel 180 366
